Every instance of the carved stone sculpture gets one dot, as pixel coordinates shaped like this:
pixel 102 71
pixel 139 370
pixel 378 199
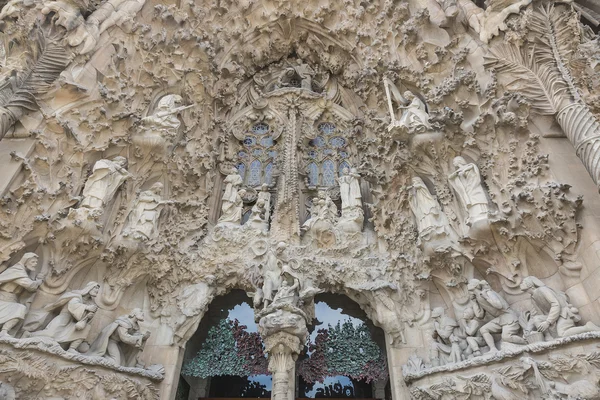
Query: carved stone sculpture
pixel 257 218
pixel 271 271
pixel 299 71
pixel 265 196
pixel 413 113
pixel 112 13
pixel 446 347
pixel 557 315
pixel 101 186
pixel 470 324
pixel 466 182
pixel 288 292
pixel 13 282
pixel 352 213
pixel 143 219
pixel 231 210
pixel 323 216
pixel 501 318
pixel 72 325
pixel 192 302
pixel 122 340
pixel 431 220
pixel 350 189
pixel 162 124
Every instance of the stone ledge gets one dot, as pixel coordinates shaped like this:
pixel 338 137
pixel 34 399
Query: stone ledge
pixel 45 345
pixel 491 358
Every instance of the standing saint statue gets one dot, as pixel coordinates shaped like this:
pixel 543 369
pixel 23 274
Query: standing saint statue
pixel 193 302
pixel 72 325
pixel 414 117
pixel 466 182
pixel 143 219
pixel 430 217
pixel 231 208
pixel 350 189
pixel 101 186
pixel 13 281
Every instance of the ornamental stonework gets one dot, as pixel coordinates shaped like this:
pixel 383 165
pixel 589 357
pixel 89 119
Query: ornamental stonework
pixel 297 199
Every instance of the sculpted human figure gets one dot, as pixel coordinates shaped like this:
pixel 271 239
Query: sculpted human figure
pixel 470 325
pixel 350 189
pixel 232 203
pixel 121 340
pixel 101 186
pixel 446 347
pixel 428 213
pixel 72 325
pixel 143 219
pixel 13 282
pixel 272 272
pixel 164 119
pixel 109 14
pixel 257 216
pixel 466 182
pixel 192 302
pixel 304 72
pixel 557 314
pixel 265 195
pixel 288 292
pixel 414 117
pixel 323 211
pixel 490 305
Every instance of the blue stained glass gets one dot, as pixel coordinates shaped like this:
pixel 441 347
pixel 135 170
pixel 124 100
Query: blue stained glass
pixel 327 128
pixel 312 154
pixel 343 154
pixel 254 176
pixel 327 151
pixel 266 141
pixel 328 173
pixel 272 153
pixel 241 167
pixel 268 173
pixel 343 165
pixel 260 128
pixel 242 154
pixel 318 142
pixel 337 141
pixel 249 141
pixel 257 152
pixel 313 174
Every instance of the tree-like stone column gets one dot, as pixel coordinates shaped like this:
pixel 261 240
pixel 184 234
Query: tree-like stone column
pixel 283 349
pixel 282 326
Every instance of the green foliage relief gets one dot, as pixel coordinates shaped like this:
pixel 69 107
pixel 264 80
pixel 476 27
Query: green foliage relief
pixel 342 349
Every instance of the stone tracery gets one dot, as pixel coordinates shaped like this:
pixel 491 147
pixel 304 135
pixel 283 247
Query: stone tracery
pixel 125 173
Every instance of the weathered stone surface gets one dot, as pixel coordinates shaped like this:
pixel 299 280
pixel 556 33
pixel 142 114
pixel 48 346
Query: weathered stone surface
pixel 426 159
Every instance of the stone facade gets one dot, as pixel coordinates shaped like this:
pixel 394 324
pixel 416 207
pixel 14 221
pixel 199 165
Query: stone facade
pixel 436 162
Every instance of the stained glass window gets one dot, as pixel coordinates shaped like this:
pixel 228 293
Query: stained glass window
pixel 327 156
pixel 256 160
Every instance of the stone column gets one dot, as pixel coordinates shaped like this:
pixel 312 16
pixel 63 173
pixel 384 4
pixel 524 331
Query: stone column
pixel 283 349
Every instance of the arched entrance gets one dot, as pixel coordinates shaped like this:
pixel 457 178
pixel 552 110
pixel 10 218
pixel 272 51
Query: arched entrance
pixel 344 356
pixel 224 358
